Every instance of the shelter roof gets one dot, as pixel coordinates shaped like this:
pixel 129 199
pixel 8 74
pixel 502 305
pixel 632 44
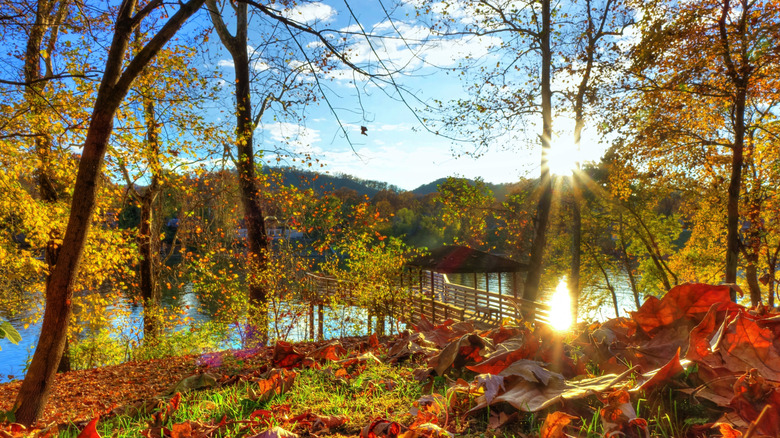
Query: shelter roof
pixel 452 259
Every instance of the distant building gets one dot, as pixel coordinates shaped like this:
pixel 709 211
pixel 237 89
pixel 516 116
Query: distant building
pixel 277 229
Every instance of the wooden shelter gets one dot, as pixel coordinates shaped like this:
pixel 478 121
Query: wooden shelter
pixel 454 259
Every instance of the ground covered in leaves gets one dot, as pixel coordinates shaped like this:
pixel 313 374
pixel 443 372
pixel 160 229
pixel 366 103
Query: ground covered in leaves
pixel 691 364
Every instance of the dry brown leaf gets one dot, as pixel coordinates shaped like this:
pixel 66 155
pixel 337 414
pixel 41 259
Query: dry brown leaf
pixel 276 432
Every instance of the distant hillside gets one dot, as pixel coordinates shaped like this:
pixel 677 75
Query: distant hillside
pixel 500 191
pixel 324 182
pixel 431 187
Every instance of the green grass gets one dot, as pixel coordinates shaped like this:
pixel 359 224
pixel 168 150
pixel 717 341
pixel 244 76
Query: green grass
pixel 381 391
pixel 378 391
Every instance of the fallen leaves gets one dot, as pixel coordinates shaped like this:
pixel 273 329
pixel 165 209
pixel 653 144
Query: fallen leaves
pixel 691 343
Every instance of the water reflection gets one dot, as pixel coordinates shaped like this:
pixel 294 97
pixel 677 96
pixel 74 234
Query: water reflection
pixel 125 316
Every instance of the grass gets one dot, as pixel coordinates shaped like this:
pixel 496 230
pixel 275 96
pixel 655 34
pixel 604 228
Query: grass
pixel 381 391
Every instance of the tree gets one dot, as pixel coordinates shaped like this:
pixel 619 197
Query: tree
pixel 502 101
pixel 591 58
pixel 466 206
pixel 169 94
pixel 706 69
pixel 117 79
pixel 244 141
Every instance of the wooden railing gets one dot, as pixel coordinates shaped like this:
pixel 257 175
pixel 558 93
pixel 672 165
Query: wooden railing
pixel 433 296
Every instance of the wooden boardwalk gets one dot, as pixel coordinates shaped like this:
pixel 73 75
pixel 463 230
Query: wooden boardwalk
pixel 430 295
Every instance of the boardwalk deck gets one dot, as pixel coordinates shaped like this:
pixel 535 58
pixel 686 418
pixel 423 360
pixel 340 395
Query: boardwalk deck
pixel 435 297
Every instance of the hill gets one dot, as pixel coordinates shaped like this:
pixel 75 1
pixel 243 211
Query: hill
pixel 325 182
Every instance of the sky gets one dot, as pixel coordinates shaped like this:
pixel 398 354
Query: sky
pixel 397 148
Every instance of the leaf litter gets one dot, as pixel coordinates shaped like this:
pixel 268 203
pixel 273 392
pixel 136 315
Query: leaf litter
pixel 693 345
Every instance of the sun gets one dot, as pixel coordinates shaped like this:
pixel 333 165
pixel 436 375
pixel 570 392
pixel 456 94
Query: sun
pixel 560 308
pixel 563 157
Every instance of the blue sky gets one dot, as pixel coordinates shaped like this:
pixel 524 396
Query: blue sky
pixel 398 149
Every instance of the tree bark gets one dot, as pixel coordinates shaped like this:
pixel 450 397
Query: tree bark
pixel 533 278
pixel 34 392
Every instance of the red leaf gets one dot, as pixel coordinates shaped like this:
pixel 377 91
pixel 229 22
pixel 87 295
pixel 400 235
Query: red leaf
pixel 664 374
pixel 501 334
pixel 554 424
pixel 381 428
pixel 330 351
pixel 753 395
pixel 182 430
pixel 729 432
pixel 498 363
pixel 373 341
pixel 699 340
pixel 286 356
pixel 173 405
pixel 687 300
pixel 91 430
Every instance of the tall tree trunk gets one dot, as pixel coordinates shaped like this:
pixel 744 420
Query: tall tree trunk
pixel 148 243
pixel 48 16
pixel 533 278
pixel 739 76
pixel 751 275
pixel 47 19
pixel 771 269
pixel 34 392
pixel 250 196
pixel 752 247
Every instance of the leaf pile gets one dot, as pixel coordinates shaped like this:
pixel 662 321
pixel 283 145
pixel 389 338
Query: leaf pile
pixel 719 360
pixel 694 353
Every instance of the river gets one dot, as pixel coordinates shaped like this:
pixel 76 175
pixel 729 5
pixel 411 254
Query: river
pixel 338 322
pixel 127 325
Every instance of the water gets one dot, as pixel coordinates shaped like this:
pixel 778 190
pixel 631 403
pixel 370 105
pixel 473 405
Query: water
pixel 292 326
pixel 126 319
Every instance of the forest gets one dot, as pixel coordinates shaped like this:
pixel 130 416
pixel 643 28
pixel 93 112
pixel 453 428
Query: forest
pixel 145 182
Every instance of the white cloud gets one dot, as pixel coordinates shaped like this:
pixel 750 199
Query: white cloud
pixel 225 63
pixel 300 139
pixel 310 12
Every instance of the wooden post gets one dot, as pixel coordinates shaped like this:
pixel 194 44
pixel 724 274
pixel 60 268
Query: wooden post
pixel 421 293
pixel 433 310
pixel 380 325
pixel 476 292
pixel 321 328
pixel 487 290
pixel 501 297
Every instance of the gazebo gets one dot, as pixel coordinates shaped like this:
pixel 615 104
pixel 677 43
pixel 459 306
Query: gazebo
pixel 454 259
